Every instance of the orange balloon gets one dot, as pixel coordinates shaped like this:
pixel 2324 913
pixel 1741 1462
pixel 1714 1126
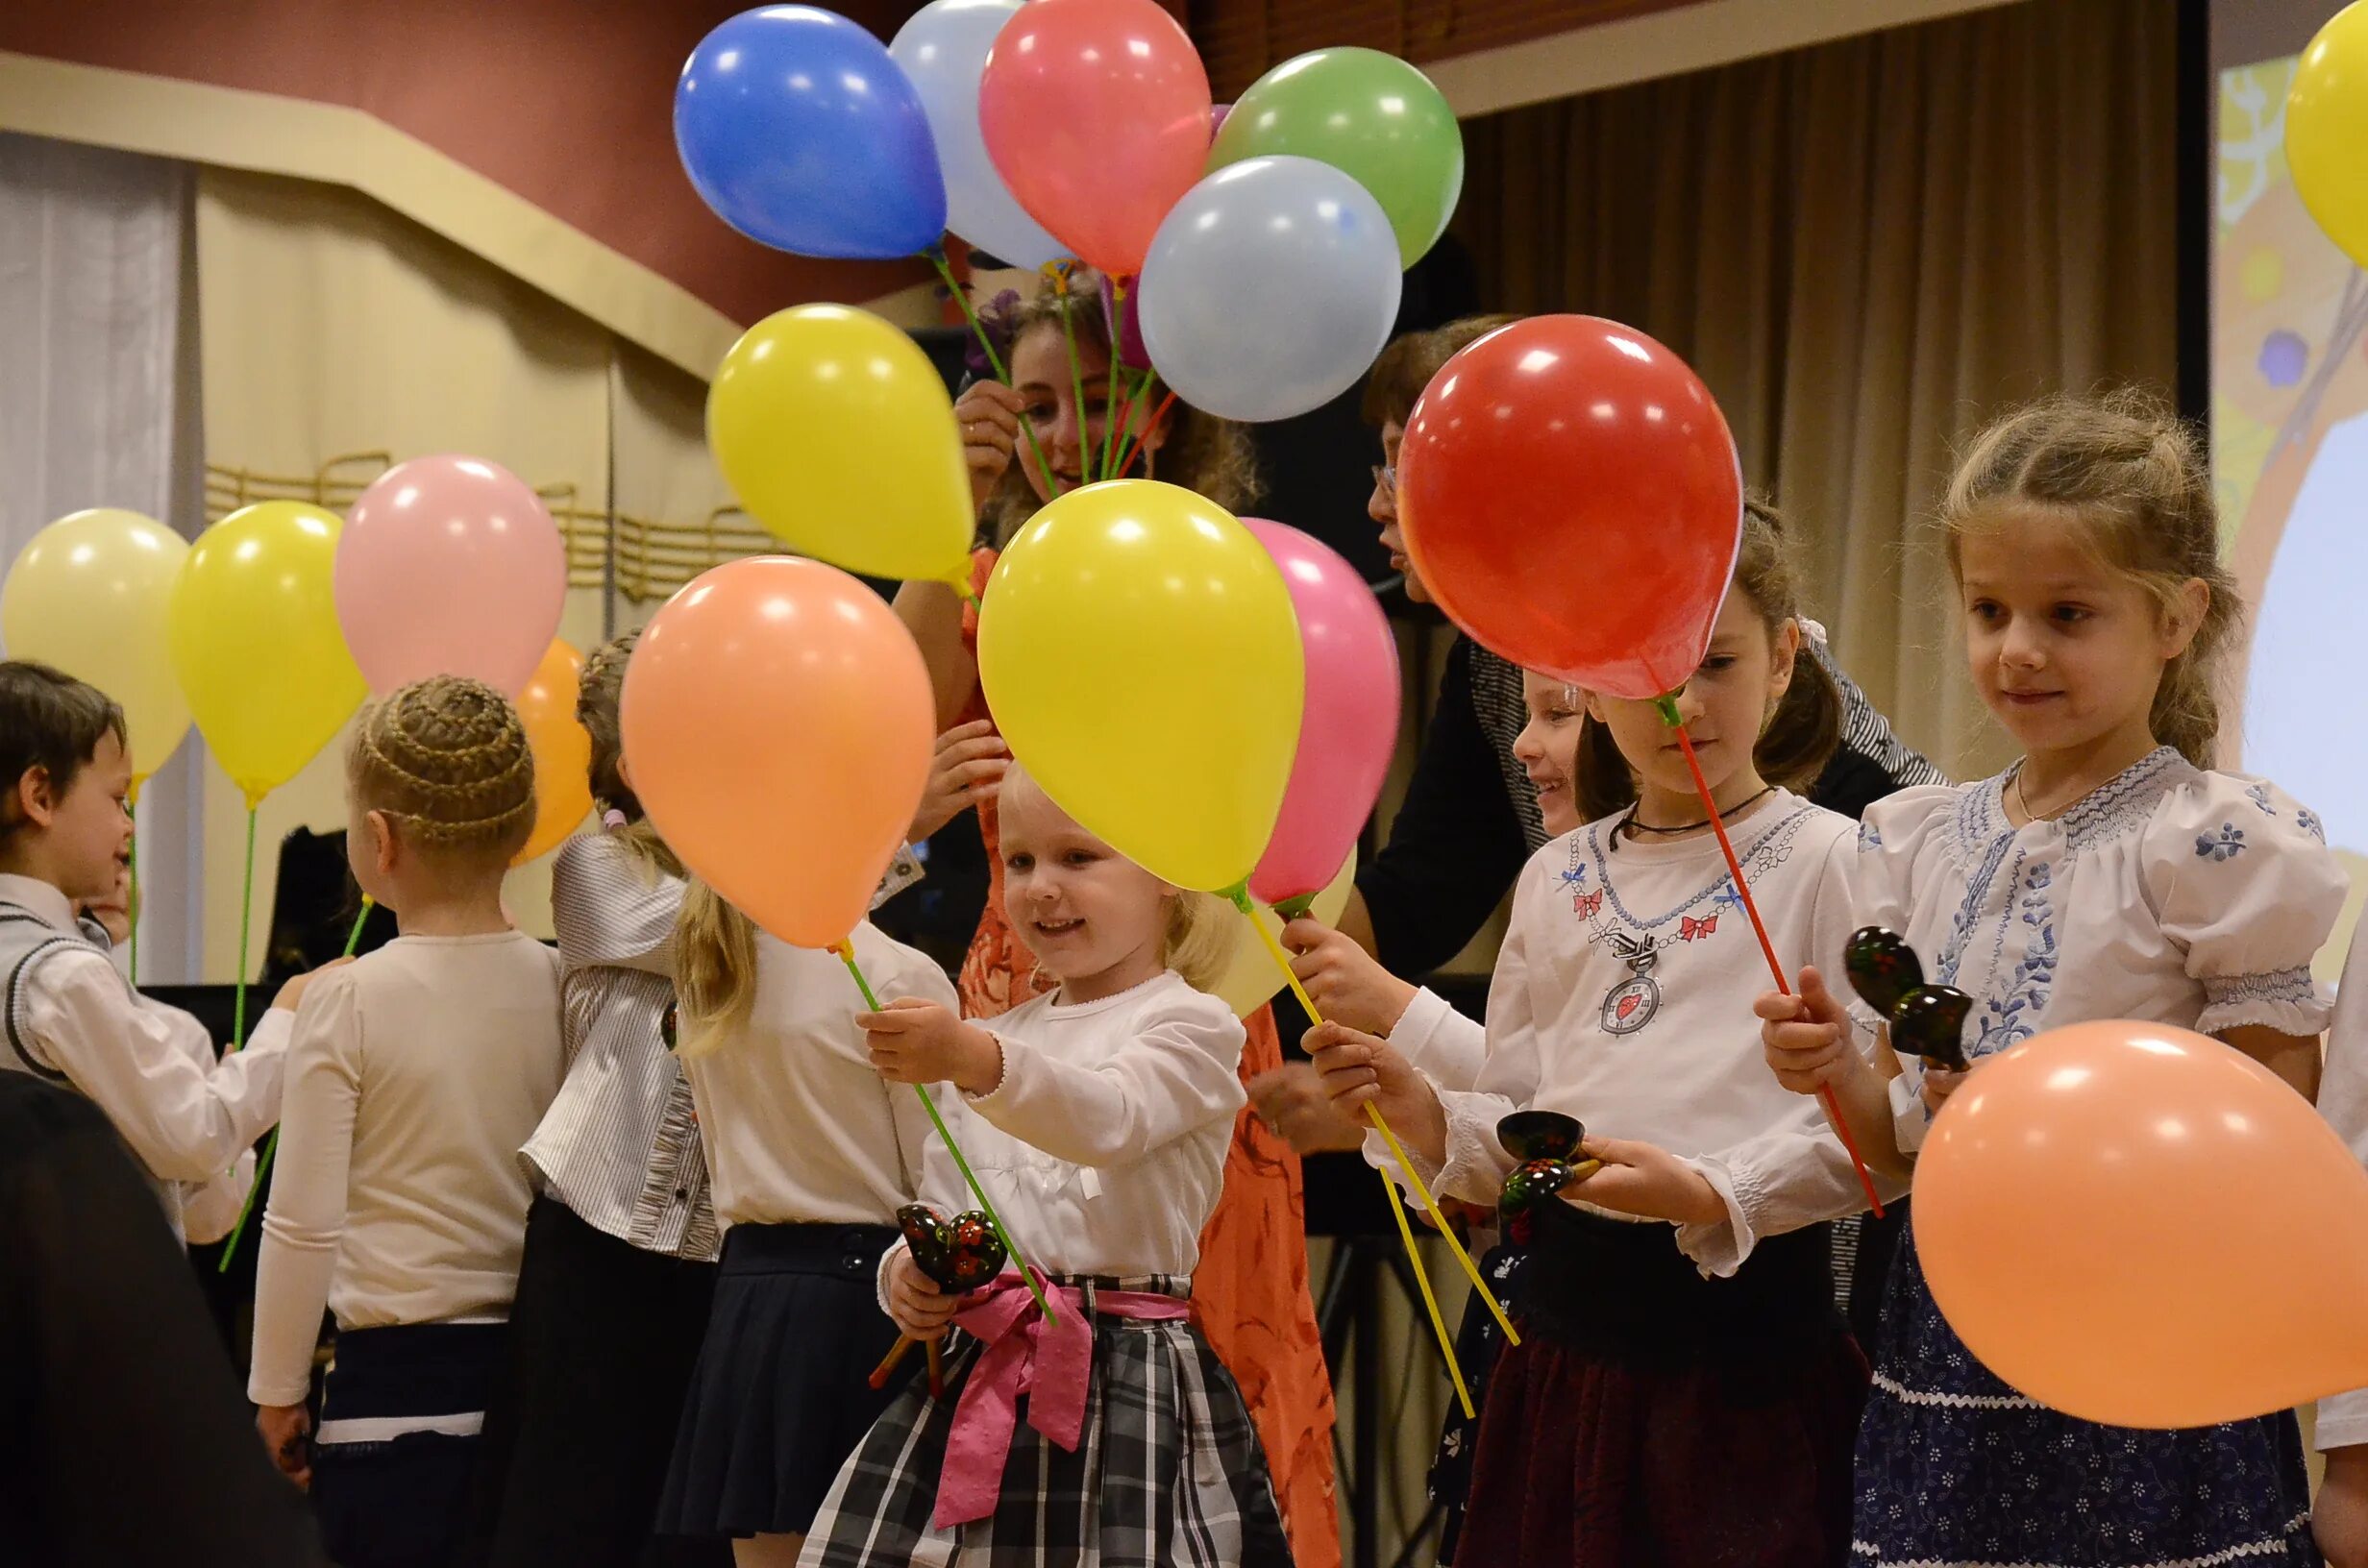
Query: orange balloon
pixel 2144 1226
pixel 562 749
pixel 779 724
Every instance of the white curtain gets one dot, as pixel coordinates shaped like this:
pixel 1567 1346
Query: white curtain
pixel 98 408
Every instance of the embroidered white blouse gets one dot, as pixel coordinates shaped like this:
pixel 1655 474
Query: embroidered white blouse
pixel 1623 997
pixel 2171 895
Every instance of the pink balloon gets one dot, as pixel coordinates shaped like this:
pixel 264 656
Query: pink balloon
pixel 1217 119
pixel 1348 725
pixel 450 566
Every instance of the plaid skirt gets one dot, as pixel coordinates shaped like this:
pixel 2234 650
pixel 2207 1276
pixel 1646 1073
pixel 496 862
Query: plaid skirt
pixel 1169 1470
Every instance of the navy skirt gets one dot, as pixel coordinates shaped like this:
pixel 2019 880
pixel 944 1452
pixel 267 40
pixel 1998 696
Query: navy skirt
pixel 781 1395
pixel 395 1464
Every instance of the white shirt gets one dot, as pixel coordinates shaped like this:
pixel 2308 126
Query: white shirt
pixel 800 1126
pixel 1623 997
pixel 414 1076
pixel 2169 895
pixel 1104 1144
pixel 188 1119
pixel 2343 1100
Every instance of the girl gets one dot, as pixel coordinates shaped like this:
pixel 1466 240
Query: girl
pixel 1652 1415
pixel 1251 1294
pixel 415 1075
pixel 813 1156
pixel 1099 1114
pixel 2108 874
pixel 621 1245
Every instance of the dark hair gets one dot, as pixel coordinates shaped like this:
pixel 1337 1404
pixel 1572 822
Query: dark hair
pixel 1403 369
pixel 2129 478
pixel 50 721
pixel 1210 456
pixel 1798 739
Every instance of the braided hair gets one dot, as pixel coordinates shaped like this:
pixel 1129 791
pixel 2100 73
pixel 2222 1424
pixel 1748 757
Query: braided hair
pixel 446 759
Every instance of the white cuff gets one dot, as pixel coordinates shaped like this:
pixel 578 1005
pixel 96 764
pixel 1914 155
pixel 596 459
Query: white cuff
pixel 879 1278
pixel 1476 1163
pixel 1910 1119
pixel 1720 1248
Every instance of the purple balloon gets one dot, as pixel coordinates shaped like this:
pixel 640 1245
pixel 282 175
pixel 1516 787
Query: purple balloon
pixel 1217 119
pixel 1347 724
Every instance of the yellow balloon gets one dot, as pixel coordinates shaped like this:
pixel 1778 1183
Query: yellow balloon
pixel 255 640
pixel 2327 130
pixel 88 594
pixel 1139 653
pixel 834 429
pixel 1252 978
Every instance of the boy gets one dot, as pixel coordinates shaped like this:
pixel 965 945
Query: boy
pixel 66 1014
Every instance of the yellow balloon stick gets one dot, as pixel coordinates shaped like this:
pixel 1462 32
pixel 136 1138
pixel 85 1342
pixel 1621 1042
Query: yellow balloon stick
pixel 1430 1204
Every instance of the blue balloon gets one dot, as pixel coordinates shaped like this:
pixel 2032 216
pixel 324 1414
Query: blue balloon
pixel 803 133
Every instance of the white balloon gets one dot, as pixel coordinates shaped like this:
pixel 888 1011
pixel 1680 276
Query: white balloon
pixel 1269 289
pixel 941 50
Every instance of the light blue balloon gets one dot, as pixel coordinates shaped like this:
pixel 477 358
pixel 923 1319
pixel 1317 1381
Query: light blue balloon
pixel 943 51
pixel 1269 289
pixel 800 130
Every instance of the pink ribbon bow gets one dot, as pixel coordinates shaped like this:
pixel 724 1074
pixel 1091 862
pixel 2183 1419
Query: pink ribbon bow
pixel 1052 1364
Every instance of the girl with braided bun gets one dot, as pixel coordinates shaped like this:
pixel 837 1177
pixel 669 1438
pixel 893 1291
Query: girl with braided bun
pixel 414 1076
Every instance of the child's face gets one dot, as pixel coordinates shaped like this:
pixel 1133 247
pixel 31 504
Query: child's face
pixel 1083 909
pixel 1547 744
pixel 87 828
pixel 2063 649
pixel 1064 428
pixel 1382 507
pixel 1724 706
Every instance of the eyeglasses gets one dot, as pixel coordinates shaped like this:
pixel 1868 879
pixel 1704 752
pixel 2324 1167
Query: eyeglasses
pixel 1385 478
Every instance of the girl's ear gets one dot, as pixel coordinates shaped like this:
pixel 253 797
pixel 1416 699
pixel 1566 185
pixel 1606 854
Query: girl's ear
pixel 2184 616
pixel 1786 654
pixel 1594 708
pixel 381 841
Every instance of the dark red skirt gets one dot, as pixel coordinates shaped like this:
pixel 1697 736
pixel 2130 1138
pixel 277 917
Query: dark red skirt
pixel 1653 1419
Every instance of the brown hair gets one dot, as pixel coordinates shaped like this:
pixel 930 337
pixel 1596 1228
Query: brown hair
pixel 1210 456
pixel 447 758
pixel 2126 475
pixel 599 692
pixel 1408 366
pixel 50 721
pixel 1800 737
pixel 715 968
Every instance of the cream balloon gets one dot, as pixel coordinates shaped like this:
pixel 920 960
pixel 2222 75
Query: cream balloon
pixel 87 595
pixel 1253 978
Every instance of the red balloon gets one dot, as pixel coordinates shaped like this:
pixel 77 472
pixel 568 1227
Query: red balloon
pixel 1096 116
pixel 1571 497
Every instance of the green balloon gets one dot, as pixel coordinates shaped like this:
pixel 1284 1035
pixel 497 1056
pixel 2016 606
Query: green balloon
pixel 1370 116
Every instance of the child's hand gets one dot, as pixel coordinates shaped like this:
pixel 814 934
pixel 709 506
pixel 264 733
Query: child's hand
pixel 1347 984
pixel 968 768
pixel 1359 1069
pixel 1646 1180
pixel 285 1428
pixel 914 1042
pixel 292 995
pixel 1292 1099
pixel 1939 1083
pixel 989 413
pixel 922 1310
pixel 1807 1037
pixel 2339 1518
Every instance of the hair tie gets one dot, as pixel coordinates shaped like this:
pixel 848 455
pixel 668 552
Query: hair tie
pixel 613 819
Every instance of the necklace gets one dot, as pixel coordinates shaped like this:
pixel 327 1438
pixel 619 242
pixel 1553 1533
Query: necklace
pixel 1630 825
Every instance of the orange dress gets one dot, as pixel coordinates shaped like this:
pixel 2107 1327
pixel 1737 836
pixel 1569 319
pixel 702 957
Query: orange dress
pixel 1250 1293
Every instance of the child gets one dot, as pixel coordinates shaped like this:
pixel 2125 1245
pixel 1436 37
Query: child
pixel 414 1076
pixel 1250 1294
pixel 69 1015
pixel 2108 874
pixel 813 1156
pixel 619 1268
pixel 1652 1414
pixel 1099 1115
pixel 2339 1520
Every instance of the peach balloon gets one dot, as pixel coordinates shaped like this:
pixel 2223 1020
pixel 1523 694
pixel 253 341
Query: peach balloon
pixel 562 749
pixel 779 724
pixel 2144 1226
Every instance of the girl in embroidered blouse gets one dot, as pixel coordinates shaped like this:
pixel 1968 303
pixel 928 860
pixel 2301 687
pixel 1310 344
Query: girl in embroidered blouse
pixel 2109 874
pixel 1652 1358
pixel 1098 1117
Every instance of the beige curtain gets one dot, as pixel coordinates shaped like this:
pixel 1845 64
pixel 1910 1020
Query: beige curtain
pixel 1866 249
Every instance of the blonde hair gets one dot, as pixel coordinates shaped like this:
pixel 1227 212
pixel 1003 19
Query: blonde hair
pixel 1198 943
pixel 2128 478
pixel 715 968
pixel 1210 456
pixel 447 758
pixel 599 692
